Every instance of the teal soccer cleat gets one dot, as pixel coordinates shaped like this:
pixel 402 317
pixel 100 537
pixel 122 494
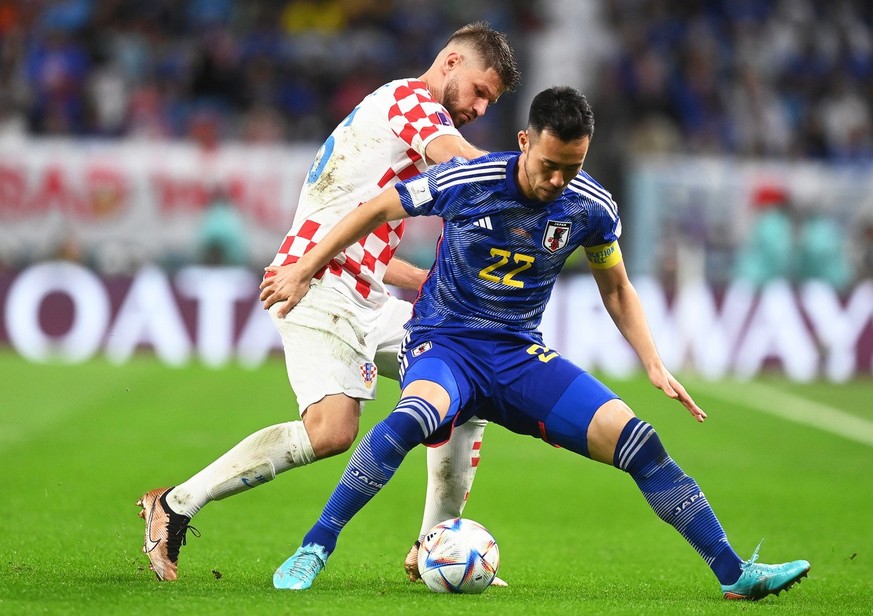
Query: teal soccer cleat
pixel 759 580
pixel 300 570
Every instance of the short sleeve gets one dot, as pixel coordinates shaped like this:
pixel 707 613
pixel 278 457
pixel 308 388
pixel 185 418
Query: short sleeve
pixel 416 118
pixel 421 195
pixel 416 195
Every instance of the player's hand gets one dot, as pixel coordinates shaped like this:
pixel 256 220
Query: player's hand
pixel 667 383
pixel 285 285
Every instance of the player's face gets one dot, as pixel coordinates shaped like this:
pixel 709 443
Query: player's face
pixel 548 164
pixel 468 92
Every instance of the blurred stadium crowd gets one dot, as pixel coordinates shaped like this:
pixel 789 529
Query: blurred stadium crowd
pixel 782 80
pixel 212 70
pixel 787 81
pixel 785 78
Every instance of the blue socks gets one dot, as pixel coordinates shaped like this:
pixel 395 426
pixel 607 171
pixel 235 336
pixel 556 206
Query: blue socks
pixel 372 465
pixel 675 497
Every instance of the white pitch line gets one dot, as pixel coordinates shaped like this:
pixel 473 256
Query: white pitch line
pixel 767 399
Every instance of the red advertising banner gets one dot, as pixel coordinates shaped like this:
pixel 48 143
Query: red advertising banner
pixel 147 200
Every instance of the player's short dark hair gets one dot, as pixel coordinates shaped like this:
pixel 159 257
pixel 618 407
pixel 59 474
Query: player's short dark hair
pixel 493 47
pixel 563 111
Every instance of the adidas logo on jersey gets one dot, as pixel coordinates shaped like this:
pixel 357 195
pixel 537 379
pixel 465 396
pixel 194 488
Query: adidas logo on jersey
pixel 485 223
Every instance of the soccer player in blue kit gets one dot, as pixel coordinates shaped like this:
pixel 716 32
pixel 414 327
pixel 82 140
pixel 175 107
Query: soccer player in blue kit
pixel 511 221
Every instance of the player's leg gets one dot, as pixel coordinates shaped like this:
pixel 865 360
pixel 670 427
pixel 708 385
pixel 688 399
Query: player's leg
pixel 451 470
pixel 581 414
pixel 615 436
pixel 451 467
pixel 439 379
pixel 421 409
pixel 254 461
pixel 329 426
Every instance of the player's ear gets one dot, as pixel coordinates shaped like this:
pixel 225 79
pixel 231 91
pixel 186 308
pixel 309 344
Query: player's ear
pixel 452 61
pixel 523 140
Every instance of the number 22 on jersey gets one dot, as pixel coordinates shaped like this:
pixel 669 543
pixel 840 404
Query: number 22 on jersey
pixel 505 260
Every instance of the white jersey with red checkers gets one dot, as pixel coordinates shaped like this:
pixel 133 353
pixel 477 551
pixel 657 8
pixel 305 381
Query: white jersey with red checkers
pixel 382 141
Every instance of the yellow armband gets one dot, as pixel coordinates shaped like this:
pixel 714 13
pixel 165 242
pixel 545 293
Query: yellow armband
pixel 603 256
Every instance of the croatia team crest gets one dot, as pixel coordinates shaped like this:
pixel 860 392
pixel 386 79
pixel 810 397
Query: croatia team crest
pixel 556 235
pixel 368 373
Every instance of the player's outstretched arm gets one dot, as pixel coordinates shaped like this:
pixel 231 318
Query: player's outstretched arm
pixel 447 147
pixel 291 282
pixel 666 382
pixel 404 275
pixel 624 306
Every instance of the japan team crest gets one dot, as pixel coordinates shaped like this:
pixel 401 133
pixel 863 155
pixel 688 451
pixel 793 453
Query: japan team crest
pixel 368 373
pixel 556 235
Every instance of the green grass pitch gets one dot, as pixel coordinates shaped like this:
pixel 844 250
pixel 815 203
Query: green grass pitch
pixel 79 444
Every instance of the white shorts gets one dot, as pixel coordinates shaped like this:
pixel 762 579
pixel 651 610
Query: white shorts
pixel 334 346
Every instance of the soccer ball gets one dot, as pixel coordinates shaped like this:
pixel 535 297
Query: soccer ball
pixel 458 555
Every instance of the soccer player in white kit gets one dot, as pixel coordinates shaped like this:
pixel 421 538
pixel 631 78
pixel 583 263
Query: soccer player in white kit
pixel 349 329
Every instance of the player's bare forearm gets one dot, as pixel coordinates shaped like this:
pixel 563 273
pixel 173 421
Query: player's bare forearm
pixel 446 147
pixel 404 275
pixel 291 282
pixel 351 228
pixel 624 306
pixel 630 318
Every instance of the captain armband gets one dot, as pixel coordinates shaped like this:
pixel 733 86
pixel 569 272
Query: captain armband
pixel 603 256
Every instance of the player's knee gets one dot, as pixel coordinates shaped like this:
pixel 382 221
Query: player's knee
pixel 639 448
pixel 413 420
pixel 331 441
pixel 605 429
pixel 332 429
pixel 343 437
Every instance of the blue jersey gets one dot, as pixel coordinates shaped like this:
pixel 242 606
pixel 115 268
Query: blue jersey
pixel 500 253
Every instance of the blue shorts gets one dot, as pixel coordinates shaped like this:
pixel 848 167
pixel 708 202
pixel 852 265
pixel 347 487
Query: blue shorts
pixel 512 380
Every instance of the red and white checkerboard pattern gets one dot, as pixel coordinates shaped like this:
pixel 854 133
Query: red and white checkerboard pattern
pixel 383 143
pixel 360 265
pixel 415 115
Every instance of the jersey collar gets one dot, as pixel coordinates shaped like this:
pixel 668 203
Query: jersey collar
pixel 512 188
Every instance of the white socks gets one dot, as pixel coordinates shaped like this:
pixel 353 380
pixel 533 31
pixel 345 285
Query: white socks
pixel 255 460
pixel 261 456
pixel 450 471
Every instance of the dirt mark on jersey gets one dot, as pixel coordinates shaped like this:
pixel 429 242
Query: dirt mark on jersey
pixel 328 184
pixel 343 325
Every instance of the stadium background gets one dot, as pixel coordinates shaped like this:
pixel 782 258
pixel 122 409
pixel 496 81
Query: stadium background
pixel 141 142
pixel 150 157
